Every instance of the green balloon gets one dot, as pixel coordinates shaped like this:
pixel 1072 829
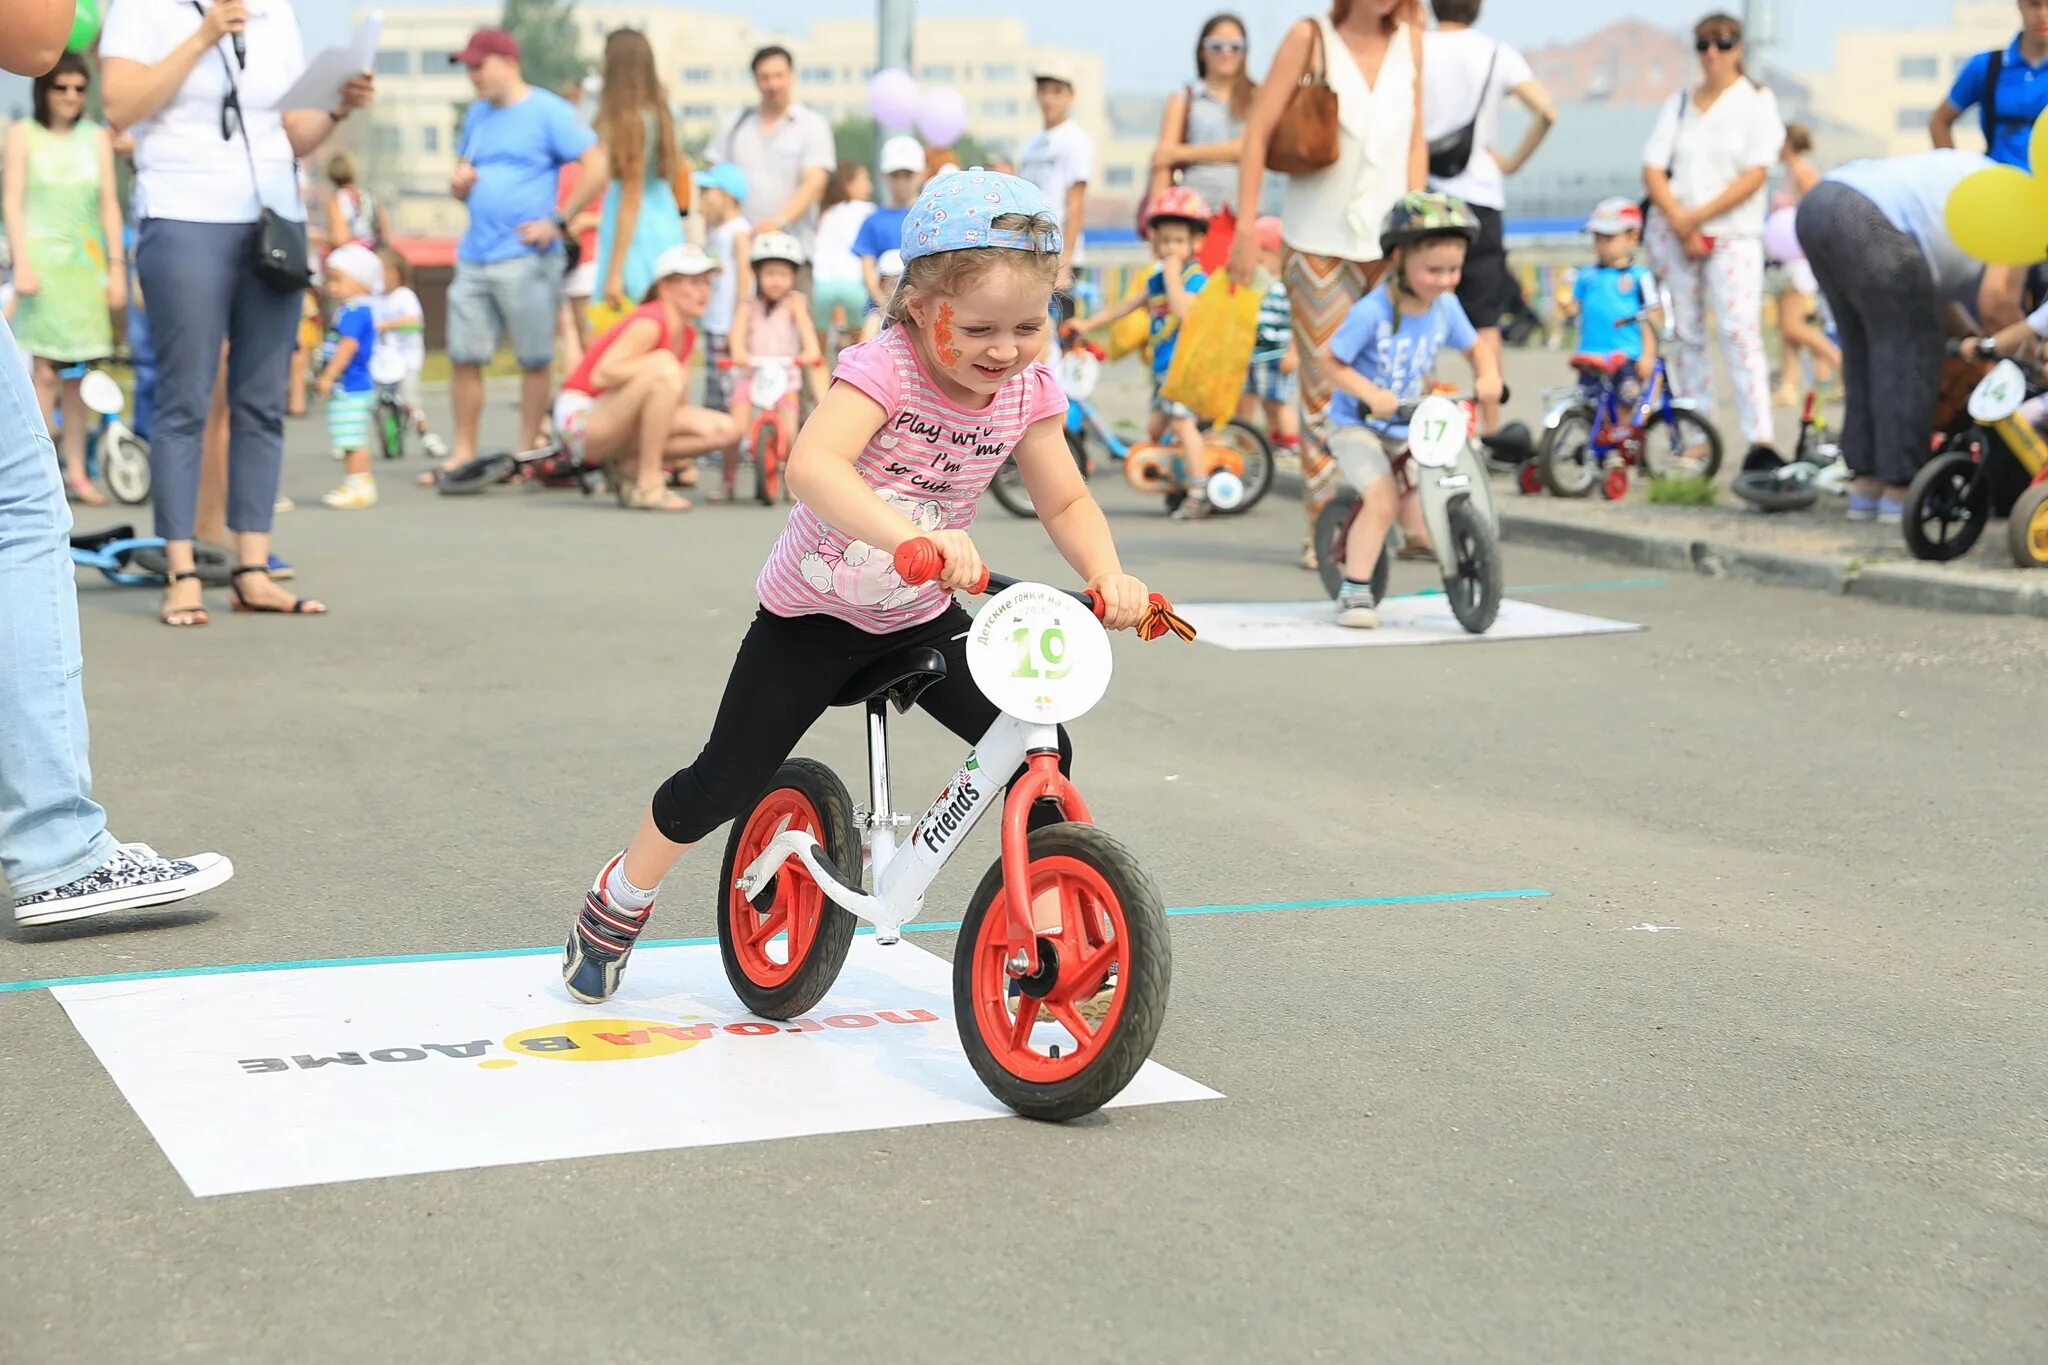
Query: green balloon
pixel 85 26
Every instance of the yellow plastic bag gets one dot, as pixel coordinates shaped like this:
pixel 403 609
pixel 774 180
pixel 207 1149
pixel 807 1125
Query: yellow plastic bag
pixel 1132 331
pixel 1215 349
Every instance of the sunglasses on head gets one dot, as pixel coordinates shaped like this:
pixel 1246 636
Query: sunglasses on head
pixel 1222 44
pixel 1724 43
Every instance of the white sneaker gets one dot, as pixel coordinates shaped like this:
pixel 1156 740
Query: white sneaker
pixel 135 878
pixel 1356 607
pixel 355 494
pixel 436 448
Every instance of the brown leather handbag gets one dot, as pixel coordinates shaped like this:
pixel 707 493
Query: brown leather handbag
pixel 1304 138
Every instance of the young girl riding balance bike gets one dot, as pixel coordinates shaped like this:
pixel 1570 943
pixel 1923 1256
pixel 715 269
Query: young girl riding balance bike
pixel 902 446
pixel 1381 357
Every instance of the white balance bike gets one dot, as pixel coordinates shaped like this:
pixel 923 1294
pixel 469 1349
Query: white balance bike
pixel 1444 465
pixel 1061 973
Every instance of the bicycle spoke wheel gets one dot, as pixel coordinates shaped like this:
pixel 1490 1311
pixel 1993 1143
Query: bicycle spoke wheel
pixel 783 949
pixel 1009 490
pixel 1565 460
pixel 1065 1041
pixel 1686 446
pixel 1245 453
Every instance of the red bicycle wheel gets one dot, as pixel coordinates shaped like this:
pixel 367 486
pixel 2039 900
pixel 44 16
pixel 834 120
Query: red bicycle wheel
pixel 767 460
pixel 783 950
pixel 1072 1036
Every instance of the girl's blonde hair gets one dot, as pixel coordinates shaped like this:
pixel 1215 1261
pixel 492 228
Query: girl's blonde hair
pixel 955 272
pixel 341 169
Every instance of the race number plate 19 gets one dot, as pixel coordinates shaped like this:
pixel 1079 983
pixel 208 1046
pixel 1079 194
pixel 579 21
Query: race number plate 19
pixel 1039 654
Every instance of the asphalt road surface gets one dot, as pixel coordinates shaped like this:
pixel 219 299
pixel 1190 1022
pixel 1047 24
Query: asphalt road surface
pixel 1760 1079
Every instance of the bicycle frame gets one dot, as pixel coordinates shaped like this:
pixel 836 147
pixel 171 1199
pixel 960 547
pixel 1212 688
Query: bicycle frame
pixel 1083 419
pixel 902 873
pixel 1656 404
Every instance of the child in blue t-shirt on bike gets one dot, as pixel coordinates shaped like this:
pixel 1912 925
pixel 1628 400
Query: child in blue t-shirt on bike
pixel 1615 304
pixel 1380 359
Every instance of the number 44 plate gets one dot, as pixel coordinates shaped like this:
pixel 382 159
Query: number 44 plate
pixel 1039 654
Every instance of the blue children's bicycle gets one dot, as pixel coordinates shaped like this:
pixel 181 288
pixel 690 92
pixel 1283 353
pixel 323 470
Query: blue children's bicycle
pixel 1243 476
pixel 1607 423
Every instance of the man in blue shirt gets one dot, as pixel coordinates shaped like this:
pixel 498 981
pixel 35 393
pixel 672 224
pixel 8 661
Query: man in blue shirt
pixel 509 267
pixel 2010 88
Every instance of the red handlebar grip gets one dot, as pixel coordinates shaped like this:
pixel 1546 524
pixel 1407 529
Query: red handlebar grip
pixel 1096 603
pixel 981 585
pixel 918 561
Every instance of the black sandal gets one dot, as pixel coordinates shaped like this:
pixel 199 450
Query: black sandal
pixel 196 616
pixel 299 607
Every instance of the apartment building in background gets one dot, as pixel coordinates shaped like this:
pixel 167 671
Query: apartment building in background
pixel 410 144
pixel 1885 82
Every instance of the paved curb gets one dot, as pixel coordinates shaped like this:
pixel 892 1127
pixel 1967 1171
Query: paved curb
pixel 1928 587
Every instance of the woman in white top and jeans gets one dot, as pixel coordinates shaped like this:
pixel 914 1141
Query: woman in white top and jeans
pixel 1705 168
pixel 1371 51
pixel 212 152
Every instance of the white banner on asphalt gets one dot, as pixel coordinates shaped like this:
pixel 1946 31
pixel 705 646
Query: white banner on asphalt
pixel 1403 621
pixel 265 1080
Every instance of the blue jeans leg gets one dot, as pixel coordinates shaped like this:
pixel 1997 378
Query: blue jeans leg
pixel 51 830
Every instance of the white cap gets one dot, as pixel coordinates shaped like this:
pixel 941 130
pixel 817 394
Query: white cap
pixel 776 246
pixel 902 153
pixel 1055 69
pixel 360 264
pixel 687 259
pixel 1613 215
pixel 889 265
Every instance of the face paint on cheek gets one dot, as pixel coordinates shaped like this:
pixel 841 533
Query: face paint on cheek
pixel 942 336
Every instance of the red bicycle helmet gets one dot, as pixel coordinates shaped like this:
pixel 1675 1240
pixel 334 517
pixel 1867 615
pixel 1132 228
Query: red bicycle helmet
pixel 1179 203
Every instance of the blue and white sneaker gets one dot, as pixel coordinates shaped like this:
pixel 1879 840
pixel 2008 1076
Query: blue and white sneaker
pixel 600 942
pixel 135 878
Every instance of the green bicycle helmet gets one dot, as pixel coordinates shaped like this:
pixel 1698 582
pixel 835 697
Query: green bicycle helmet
pixel 1421 214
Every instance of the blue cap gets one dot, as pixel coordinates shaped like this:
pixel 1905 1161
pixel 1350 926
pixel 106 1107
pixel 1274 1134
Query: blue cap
pixel 725 176
pixel 954 213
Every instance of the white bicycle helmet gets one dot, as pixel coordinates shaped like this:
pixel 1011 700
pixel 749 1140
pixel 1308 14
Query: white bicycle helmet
pixel 777 246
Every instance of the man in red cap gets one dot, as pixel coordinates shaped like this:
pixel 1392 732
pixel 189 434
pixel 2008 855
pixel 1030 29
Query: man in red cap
pixel 509 266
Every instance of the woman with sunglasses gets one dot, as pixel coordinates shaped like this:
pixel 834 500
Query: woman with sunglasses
pixel 1202 135
pixel 1705 167
pixel 71 271
pixel 213 154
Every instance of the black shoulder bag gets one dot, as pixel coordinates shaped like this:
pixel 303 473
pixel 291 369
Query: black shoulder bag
pixel 1992 71
pixel 279 257
pixel 1450 154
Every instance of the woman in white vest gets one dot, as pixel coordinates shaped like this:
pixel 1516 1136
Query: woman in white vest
pixel 1371 54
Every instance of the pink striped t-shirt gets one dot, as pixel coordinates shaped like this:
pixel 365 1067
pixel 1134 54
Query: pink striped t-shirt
pixel 929 459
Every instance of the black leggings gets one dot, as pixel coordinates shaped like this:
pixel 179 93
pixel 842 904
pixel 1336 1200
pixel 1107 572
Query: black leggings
pixel 1879 286
pixel 788 670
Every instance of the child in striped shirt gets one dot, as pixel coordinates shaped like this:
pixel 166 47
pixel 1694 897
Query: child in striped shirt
pixel 915 425
pixel 1273 378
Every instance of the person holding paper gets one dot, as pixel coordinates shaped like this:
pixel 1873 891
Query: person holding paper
pixel 214 152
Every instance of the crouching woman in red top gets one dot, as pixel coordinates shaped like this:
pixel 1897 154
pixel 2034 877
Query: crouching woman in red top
pixel 623 404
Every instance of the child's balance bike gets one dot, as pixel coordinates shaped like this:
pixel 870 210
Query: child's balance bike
pixel 1441 462
pixel 1060 977
pixel 772 393
pixel 1950 500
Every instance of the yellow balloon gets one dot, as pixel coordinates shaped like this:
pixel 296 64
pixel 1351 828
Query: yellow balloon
pixel 2000 215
